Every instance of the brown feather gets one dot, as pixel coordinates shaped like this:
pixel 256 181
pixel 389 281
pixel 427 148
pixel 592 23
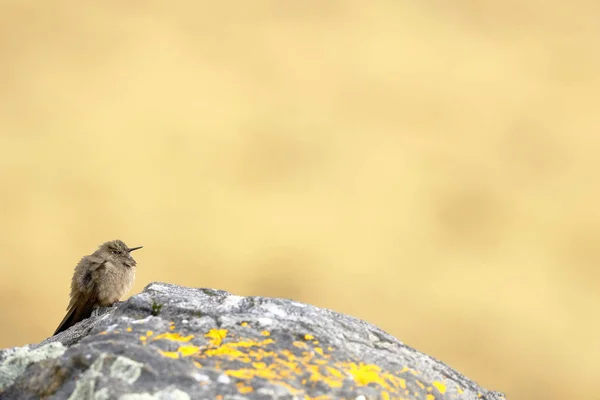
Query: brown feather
pixel 82 302
pixel 80 309
pixel 99 280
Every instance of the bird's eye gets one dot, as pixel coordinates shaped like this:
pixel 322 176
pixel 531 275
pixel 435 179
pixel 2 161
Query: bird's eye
pixel 116 252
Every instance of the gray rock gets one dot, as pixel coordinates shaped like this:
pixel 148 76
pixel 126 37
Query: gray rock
pixel 172 342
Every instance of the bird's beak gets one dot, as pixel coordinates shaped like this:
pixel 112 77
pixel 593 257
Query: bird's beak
pixel 135 248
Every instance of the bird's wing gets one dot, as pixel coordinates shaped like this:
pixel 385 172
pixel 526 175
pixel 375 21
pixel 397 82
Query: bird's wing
pixel 95 261
pixel 87 283
pixel 83 300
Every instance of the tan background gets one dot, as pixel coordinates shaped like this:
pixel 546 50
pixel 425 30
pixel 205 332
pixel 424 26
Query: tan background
pixel 431 167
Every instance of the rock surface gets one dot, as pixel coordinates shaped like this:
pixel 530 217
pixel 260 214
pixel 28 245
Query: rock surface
pixel 172 342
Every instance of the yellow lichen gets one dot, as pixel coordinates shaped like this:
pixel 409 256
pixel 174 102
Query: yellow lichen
pixel 189 350
pixel 216 336
pixel 439 386
pixel 365 374
pixel 284 366
pixel 173 337
pixel 243 388
pixel 169 354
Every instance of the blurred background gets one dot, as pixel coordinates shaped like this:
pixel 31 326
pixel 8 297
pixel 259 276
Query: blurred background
pixel 429 167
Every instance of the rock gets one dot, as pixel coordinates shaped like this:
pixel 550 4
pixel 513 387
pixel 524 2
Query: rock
pixel 173 342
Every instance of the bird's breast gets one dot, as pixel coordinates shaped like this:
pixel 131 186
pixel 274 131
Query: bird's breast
pixel 114 282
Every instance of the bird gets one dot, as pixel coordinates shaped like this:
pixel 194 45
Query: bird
pixel 99 280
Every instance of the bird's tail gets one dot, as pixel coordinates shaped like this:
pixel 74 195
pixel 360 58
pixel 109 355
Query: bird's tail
pixel 76 313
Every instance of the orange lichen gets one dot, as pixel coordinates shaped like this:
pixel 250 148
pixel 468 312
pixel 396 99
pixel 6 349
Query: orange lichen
pixel 229 352
pixel 250 343
pixel 249 373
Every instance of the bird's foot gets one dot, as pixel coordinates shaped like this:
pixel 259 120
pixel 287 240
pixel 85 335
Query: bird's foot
pixel 95 312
